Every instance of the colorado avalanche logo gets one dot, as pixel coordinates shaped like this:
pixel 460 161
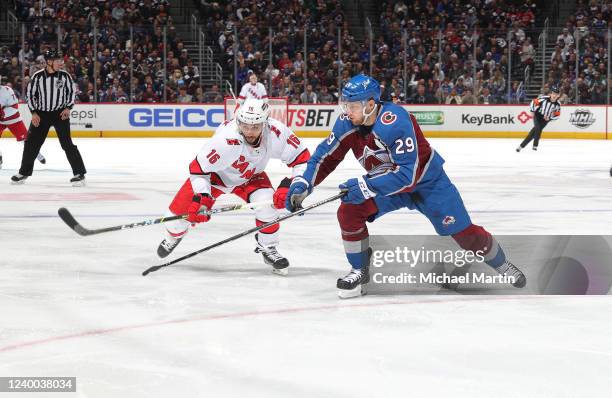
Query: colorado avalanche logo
pixel 448 220
pixel 388 118
pixel 375 161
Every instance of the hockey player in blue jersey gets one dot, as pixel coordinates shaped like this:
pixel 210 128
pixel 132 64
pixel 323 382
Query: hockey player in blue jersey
pixel 402 171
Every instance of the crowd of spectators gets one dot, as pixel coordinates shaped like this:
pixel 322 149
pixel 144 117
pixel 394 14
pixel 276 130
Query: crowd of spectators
pixel 583 39
pixel 448 74
pixel 458 51
pixel 425 51
pixel 309 76
pixel 73 21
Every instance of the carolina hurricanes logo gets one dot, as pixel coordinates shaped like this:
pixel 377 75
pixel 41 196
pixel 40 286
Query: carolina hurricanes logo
pixel 388 118
pixel 253 93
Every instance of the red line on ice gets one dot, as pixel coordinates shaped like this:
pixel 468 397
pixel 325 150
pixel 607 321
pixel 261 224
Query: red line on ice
pixel 98 332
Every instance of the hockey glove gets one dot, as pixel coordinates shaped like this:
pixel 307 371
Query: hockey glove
pixel 357 191
pixel 199 202
pixel 298 191
pixel 280 195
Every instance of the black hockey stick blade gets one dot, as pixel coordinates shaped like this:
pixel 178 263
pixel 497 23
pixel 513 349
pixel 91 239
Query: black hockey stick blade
pixel 152 269
pixel 244 233
pixel 69 219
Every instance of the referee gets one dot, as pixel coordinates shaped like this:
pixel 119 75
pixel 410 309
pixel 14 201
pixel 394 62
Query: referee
pixel 544 108
pixel 50 96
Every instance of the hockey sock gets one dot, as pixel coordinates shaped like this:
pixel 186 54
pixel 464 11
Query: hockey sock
pixel 352 219
pixel 357 252
pixel 476 239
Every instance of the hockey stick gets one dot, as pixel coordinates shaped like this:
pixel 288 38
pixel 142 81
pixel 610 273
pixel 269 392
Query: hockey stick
pixel 231 90
pixel 247 232
pixel 69 219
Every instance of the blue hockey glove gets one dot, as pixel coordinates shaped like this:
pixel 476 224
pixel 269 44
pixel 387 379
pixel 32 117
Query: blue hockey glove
pixel 298 191
pixel 358 191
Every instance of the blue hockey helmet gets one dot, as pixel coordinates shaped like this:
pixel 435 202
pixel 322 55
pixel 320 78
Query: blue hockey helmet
pixel 361 88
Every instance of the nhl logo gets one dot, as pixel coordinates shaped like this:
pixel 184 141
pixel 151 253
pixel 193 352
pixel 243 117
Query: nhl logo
pixel 582 118
pixel 60 84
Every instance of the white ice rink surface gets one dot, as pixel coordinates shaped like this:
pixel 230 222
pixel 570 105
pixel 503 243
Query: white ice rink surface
pixel 221 325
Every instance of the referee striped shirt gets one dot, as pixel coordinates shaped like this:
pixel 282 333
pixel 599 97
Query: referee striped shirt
pixel 545 107
pixel 49 92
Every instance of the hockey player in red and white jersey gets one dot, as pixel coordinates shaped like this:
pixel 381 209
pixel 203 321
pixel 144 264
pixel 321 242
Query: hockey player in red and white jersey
pixel 11 119
pixel 252 89
pixel 234 161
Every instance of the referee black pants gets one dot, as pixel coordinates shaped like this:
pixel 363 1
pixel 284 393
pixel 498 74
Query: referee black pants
pixel 38 135
pixel 538 125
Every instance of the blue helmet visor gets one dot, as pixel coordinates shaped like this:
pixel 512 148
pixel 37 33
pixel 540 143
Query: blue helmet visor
pixel 352 106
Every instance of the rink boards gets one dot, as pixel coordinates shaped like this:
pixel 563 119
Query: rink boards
pixel 468 121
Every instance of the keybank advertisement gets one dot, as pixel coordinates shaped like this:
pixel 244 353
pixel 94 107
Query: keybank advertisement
pixel 318 120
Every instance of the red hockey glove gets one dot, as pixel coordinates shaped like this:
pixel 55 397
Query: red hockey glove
pixel 280 195
pixel 200 202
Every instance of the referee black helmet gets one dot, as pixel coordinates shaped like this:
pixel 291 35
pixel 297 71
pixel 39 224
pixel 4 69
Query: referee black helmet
pixel 52 54
pixel 554 88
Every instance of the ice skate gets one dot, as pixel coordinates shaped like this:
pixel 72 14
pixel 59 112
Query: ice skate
pixel 167 246
pixel 18 179
pixel 78 180
pixel 271 256
pixel 509 269
pixel 350 285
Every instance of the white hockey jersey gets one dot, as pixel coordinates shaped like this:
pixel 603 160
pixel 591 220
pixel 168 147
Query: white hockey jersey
pixel 9 112
pixel 228 161
pixel 249 90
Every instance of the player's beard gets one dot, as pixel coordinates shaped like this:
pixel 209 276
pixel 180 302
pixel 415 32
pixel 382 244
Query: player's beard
pixel 364 131
pixel 255 142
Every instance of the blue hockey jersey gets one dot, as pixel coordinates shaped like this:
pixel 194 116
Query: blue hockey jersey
pixel 394 152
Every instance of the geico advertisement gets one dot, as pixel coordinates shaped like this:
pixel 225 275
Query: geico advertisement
pixel 141 117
